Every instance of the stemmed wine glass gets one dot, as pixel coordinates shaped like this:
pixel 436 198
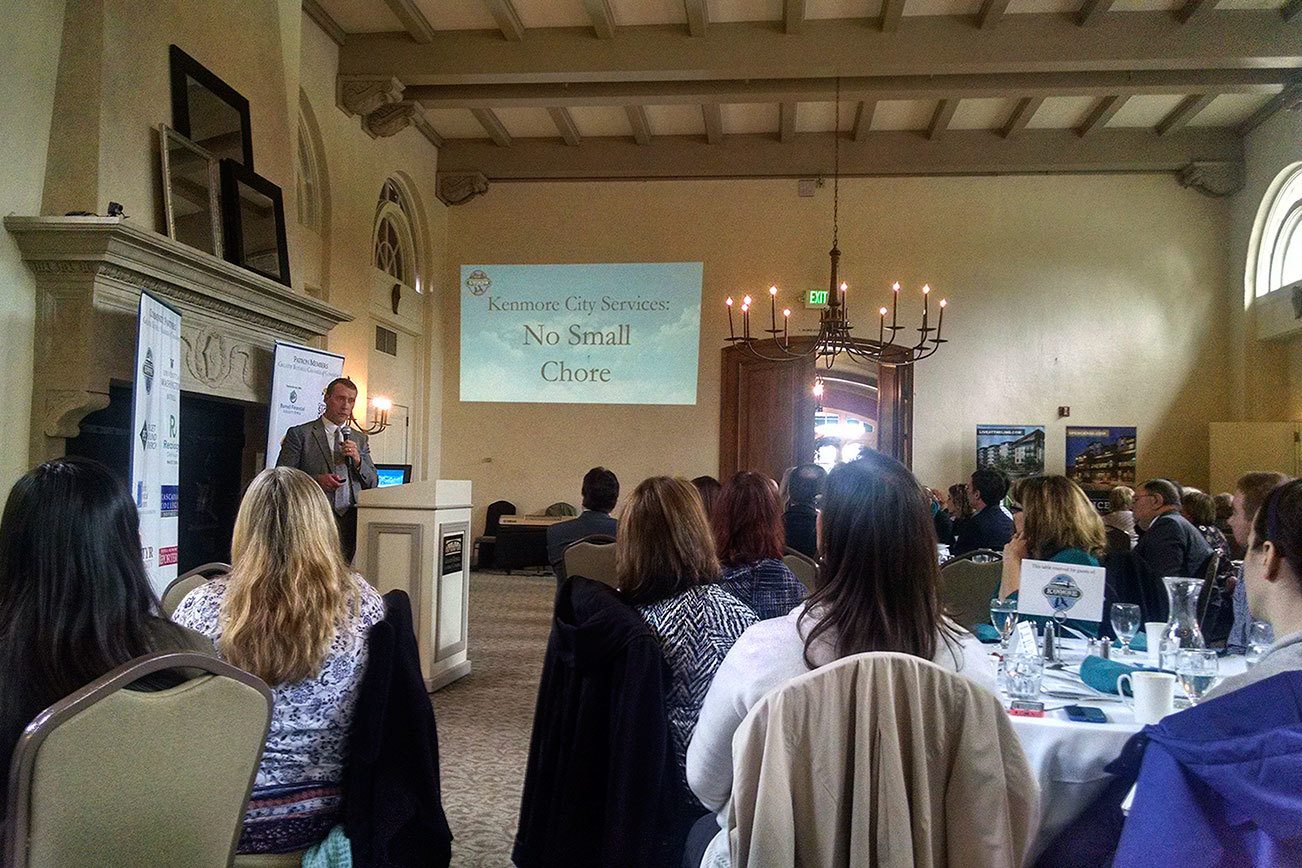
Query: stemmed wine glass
pixel 1125 623
pixel 1197 668
pixel 1003 615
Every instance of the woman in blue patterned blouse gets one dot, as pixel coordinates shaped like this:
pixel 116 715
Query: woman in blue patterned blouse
pixel 291 613
pixel 666 566
pixel 748 533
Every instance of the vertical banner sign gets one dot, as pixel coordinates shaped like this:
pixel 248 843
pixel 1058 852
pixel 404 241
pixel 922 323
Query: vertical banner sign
pixel 1018 450
pixel 299 376
pixel 1100 459
pixel 156 436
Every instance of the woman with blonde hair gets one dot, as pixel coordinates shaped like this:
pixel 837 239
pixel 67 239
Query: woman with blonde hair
pixel 292 613
pixel 1057 523
pixel 666 566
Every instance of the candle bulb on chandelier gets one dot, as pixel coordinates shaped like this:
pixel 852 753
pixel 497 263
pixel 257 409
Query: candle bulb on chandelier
pixel 881 326
pixel 926 293
pixel 745 318
pixel 731 333
pixel 845 311
pixel 786 316
pixel 940 323
pixel 895 303
pixel 773 308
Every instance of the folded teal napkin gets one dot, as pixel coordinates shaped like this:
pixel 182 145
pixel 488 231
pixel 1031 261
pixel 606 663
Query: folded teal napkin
pixel 1102 674
pixel 985 633
pixel 1139 643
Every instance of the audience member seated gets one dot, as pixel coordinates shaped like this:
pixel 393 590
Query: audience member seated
pixel 880 592
pixel 75 601
pixel 291 613
pixel 1249 494
pixel 1224 503
pixel 1199 509
pixel 1170 545
pixel 748 534
pixel 991 526
pixel 708 488
pixel 954 513
pixel 668 570
pixel 1119 523
pixel 1057 523
pixel 800 520
pixel 600 494
pixel 1272 575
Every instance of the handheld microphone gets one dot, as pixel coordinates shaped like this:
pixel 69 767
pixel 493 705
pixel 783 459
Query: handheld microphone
pixel 345 433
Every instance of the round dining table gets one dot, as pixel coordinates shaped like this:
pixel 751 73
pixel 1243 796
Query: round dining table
pixel 1068 757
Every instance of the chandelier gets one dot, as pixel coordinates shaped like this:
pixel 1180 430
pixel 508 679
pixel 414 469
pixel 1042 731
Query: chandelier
pixel 835 336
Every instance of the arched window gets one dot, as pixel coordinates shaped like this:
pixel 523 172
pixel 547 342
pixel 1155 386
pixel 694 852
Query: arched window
pixel 1276 257
pixel 395 249
pixel 307 174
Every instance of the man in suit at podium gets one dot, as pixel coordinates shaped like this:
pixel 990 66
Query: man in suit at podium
pixel 336 455
pixel 600 493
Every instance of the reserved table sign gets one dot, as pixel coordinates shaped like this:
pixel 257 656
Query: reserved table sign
pixel 1074 590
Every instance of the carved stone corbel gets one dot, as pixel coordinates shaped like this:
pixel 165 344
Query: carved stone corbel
pixel 65 408
pixel 389 120
pixel 456 188
pixel 1217 179
pixel 364 94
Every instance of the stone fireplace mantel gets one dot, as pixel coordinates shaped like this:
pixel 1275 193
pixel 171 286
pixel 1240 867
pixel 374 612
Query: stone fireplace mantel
pixel 90 272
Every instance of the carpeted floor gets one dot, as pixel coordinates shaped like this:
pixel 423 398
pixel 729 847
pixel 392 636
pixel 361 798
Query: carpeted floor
pixel 485 719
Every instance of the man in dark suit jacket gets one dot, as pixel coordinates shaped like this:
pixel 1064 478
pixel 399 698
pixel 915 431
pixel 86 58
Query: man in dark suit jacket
pixel 600 493
pixel 801 518
pixel 990 526
pixel 336 455
pixel 1170 545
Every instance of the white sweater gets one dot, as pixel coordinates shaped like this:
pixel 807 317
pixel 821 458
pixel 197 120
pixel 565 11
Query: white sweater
pixel 767 655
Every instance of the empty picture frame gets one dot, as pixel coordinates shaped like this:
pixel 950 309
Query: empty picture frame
pixel 191 192
pixel 208 111
pixel 253 222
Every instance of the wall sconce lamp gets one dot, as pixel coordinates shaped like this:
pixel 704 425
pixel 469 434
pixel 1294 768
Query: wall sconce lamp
pixel 380 407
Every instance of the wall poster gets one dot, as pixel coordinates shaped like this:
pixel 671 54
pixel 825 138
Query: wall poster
pixel 156 441
pixel 1099 459
pixel 1018 450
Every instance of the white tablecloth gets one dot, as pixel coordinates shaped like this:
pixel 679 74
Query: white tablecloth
pixel 1068 758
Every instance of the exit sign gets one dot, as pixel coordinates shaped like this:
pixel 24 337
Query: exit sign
pixel 816 298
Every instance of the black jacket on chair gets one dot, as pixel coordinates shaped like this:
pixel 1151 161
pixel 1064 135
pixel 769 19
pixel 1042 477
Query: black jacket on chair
pixel 601 782
pixel 393 801
pixel 991 528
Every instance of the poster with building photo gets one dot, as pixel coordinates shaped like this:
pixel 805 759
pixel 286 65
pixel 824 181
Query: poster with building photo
pixel 1017 450
pixel 1099 459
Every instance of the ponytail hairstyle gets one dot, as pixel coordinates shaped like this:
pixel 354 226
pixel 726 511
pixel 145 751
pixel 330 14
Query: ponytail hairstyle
pixel 289 588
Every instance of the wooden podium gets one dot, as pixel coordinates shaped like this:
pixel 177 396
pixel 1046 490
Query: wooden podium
pixel 416 538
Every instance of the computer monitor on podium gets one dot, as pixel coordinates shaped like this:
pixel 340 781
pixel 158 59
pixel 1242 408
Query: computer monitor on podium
pixel 393 474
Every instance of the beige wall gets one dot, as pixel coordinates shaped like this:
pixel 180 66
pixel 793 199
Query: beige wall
pixel 29 56
pixel 1104 293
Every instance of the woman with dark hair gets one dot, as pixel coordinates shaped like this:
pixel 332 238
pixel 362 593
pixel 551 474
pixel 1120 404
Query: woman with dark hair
pixel 708 488
pixel 879 591
pixel 749 534
pixel 75 601
pixel 666 567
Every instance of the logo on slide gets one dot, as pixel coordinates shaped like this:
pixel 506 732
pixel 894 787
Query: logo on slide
pixel 148 370
pixel 1062 592
pixel 478 282
pixel 293 396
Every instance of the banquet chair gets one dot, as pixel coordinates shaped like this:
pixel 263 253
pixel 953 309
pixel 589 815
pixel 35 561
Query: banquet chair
pixel 592 557
pixel 188 581
pixel 880 759
pixel 803 566
pixel 966 587
pixel 486 544
pixel 561 509
pixel 116 776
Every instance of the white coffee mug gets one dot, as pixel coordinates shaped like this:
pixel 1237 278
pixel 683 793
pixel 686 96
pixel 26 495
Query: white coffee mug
pixel 1153 631
pixel 1153 695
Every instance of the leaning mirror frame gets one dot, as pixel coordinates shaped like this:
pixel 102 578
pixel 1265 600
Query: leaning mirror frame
pixel 169 138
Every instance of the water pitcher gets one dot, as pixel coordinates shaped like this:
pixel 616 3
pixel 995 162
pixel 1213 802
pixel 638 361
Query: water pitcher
pixel 1182 627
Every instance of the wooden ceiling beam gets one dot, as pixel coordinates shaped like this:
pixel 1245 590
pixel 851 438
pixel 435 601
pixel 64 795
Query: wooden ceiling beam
pixel 940 119
pixel 786 121
pixel 565 125
pixel 508 20
pixel 1100 115
pixel 493 126
pixel 325 21
pixel 881 153
pixel 793 15
pixel 698 16
pixel 1031 43
pixel 934 87
pixel 603 20
pixel 992 12
pixel 1026 109
pixel 1290 97
pixel 892 14
pixel 863 119
pixel 1093 12
pixel 417 26
pixel 1183 113
pixel 1194 10
pixel 637 120
pixel 713 123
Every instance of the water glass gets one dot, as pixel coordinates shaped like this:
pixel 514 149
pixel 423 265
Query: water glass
pixel 1196 668
pixel 1003 615
pixel 1260 638
pixel 1022 675
pixel 1125 623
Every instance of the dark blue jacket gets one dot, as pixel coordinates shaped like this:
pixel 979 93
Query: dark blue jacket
pixel 991 528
